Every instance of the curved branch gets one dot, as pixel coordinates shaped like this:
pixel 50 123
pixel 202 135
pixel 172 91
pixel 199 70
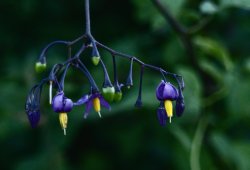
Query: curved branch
pixel 179 29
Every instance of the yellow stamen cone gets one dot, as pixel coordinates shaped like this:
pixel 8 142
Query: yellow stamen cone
pixel 63 118
pixel 97 104
pixel 169 109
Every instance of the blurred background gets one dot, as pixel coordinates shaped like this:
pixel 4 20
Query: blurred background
pixel 214 130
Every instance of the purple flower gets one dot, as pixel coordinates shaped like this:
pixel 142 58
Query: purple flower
pixel 94 100
pixel 162 115
pixel 62 104
pixel 166 91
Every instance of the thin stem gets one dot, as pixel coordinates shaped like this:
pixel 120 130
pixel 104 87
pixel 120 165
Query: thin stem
pixel 87 15
pixel 106 76
pixel 129 81
pixel 69 52
pixel 68 43
pixel 42 55
pixel 138 101
pixel 113 52
pixel 115 70
pixel 163 75
pixel 84 69
pixel 77 39
pixel 63 76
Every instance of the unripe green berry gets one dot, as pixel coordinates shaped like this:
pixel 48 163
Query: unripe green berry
pixel 95 60
pixel 108 93
pixel 117 96
pixel 40 67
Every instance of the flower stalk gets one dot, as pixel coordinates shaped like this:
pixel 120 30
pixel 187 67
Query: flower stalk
pixel 139 100
pixel 166 93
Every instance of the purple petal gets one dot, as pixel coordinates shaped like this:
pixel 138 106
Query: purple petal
pixel 68 105
pixel 104 103
pixel 159 90
pixel 89 105
pixel 57 103
pixel 166 91
pixel 34 117
pixel 162 116
pixel 82 100
pixel 170 92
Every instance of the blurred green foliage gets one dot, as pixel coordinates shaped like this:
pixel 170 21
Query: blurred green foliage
pixel 212 134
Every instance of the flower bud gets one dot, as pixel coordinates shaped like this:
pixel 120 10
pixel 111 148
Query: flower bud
pixel 40 67
pixel 179 107
pixel 108 93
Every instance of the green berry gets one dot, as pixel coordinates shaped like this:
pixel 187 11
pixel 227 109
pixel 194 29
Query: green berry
pixel 40 67
pixel 95 60
pixel 117 96
pixel 108 93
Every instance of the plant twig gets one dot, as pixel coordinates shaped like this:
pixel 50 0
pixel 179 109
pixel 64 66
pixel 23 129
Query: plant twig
pixel 179 29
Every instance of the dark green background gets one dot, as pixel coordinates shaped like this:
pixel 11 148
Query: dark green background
pixel 212 134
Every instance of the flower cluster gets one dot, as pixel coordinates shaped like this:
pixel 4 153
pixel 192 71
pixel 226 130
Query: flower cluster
pixel 166 93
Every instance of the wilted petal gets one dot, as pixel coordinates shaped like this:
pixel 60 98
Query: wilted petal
pixel 82 100
pixel 34 117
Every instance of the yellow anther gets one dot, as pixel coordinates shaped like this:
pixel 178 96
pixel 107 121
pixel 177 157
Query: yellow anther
pixel 97 104
pixel 169 108
pixel 63 118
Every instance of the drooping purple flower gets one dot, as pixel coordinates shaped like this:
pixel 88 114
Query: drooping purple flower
pixel 162 115
pixel 62 104
pixel 94 100
pixel 166 91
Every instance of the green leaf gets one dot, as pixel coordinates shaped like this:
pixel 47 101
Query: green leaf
pixel 222 146
pixel 238 99
pixel 235 3
pixel 215 50
pixel 242 155
pixel 211 69
pixel 147 12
